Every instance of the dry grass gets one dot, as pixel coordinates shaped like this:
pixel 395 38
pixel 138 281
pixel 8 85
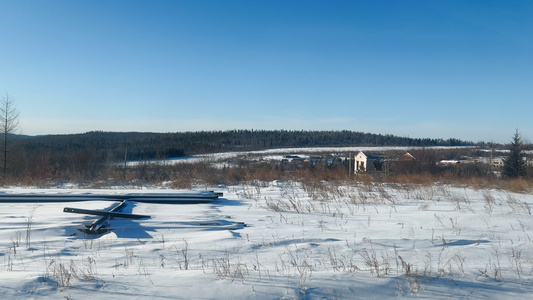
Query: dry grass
pixel 419 179
pixel 518 185
pixel 185 176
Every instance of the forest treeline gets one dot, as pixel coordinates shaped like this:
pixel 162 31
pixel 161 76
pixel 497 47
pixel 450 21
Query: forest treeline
pixel 117 146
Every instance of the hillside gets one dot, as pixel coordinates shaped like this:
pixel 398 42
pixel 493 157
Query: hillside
pixel 114 146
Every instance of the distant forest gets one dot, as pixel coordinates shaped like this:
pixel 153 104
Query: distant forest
pixel 118 146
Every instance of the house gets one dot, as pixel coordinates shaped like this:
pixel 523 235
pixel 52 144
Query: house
pixel 370 163
pixel 360 162
pixel 496 162
pixel 407 156
pixel 449 162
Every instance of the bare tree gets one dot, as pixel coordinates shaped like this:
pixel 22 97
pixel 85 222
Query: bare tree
pixel 9 125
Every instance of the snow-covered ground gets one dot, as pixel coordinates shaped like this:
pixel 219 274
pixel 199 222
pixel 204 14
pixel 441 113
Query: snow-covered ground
pixel 323 241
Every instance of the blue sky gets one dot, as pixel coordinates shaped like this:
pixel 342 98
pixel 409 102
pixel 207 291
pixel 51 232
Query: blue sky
pixel 438 69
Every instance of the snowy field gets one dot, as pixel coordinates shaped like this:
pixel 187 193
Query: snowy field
pixel 278 240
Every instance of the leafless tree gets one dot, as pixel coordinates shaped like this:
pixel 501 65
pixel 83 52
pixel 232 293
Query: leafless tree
pixel 9 125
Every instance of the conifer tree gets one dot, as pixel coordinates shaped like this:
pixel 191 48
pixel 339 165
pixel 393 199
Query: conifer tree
pixel 514 165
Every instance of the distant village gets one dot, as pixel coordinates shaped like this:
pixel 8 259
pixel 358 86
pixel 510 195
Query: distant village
pixel 393 163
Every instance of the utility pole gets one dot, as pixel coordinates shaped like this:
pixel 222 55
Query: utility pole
pixel 125 164
pixel 350 165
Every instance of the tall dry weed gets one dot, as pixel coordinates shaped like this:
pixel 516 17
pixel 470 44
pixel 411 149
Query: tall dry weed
pixel 517 185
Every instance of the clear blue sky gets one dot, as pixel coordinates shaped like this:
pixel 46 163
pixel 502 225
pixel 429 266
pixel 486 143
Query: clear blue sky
pixel 437 69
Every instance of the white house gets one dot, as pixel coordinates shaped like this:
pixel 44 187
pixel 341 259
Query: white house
pixel 360 162
pixel 496 162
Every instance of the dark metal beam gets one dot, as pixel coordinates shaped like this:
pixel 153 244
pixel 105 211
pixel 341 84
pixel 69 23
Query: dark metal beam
pixel 108 214
pixel 168 198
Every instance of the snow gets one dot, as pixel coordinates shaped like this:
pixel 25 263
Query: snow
pixel 318 241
